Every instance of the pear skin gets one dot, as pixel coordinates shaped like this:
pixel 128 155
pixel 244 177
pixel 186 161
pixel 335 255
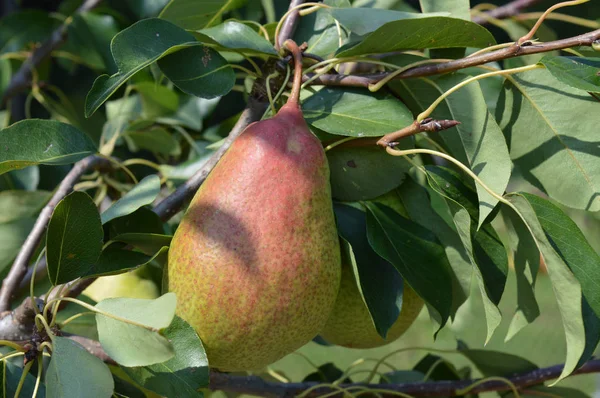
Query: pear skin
pixel 255 262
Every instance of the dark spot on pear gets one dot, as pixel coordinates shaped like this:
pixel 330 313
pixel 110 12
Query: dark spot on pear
pixel 352 164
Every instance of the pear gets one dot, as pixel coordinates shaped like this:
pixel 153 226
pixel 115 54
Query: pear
pixel 129 284
pixel 350 324
pixel 255 262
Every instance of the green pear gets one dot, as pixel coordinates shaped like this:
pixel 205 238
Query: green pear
pixel 350 324
pixel 123 285
pixel 255 262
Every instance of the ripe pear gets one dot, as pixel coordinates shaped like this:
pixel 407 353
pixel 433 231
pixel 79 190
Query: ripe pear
pixel 255 262
pixel 123 285
pixel 350 324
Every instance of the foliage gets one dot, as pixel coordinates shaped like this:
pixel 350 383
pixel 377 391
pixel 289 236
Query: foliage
pixel 149 90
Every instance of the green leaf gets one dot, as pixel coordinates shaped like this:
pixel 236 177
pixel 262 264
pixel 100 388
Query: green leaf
pixel 152 39
pixel 413 34
pixel 571 245
pixel 537 391
pixel 140 195
pixel 577 72
pixel 236 36
pixel 35 141
pixel 477 142
pixel 483 247
pixel 365 172
pixel 19 29
pixel 319 30
pixel 157 100
pixel 199 71
pixel 437 368
pixel 182 375
pixel 156 139
pixel 565 285
pixel 12 236
pixel 362 21
pixel 74 372
pixel 83 325
pixel 496 363
pixel 326 373
pixel 143 220
pixel 21 204
pixel 132 345
pixel 147 243
pixel 379 283
pixel 115 259
pixel 11 377
pixel 355 112
pixel 550 145
pixel 402 376
pixel 415 252
pixel 194 15
pixel 74 238
pixel 456 8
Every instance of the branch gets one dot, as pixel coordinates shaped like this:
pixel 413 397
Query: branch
pixel 174 202
pixel 505 11
pixel 18 271
pixel 288 27
pixel 515 50
pixel 427 125
pixel 22 79
pixel 255 385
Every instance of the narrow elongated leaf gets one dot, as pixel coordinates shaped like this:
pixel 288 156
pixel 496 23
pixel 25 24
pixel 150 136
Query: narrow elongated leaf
pixel 366 20
pixel 234 35
pixel 199 71
pixel 433 32
pixel 116 260
pixel 143 220
pixel 566 287
pixel 355 112
pixel 74 238
pixel 152 39
pixel 35 141
pixel 193 14
pixel 146 242
pixel 415 252
pixel 132 345
pixel 379 283
pixel 477 142
pixel 496 363
pixel 549 144
pixel 140 195
pixel 182 375
pixel 74 372
pixel 577 72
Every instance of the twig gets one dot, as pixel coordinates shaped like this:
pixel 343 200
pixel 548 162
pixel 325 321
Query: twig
pixel 174 202
pixel 508 10
pixel 287 30
pixel 586 39
pixel 18 325
pixel 22 79
pixel 18 271
pixel 427 125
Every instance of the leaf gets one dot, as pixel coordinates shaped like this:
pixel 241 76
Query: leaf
pixel 157 100
pixel 236 36
pixel 181 375
pixel 140 195
pixel 116 260
pixel 415 252
pixel 355 112
pixel 496 363
pixel 483 247
pixel 19 29
pixel 537 391
pixel 456 8
pixel 26 179
pixel 74 238
pixel 577 72
pixel 153 39
pixel 319 30
pixel 565 285
pixel 155 139
pixel 36 141
pixel 132 345
pixel 364 172
pixel 550 145
pixel 477 142
pixel 193 14
pixel 379 283
pixel 12 376
pixel 74 372
pixel 83 325
pixel 199 71
pixel 413 34
pixel 326 373
pixel 12 236
pixel 402 376
pixel 143 220
pixel 147 243
pixel 21 204
pixel 437 368
pixel 362 21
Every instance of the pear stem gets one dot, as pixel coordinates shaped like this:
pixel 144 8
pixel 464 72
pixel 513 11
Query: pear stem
pixel 297 55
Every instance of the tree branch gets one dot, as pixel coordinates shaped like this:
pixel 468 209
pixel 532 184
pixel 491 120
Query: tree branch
pixel 22 79
pixel 505 11
pixel 174 202
pixel 515 50
pixel 18 271
pixel 288 27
